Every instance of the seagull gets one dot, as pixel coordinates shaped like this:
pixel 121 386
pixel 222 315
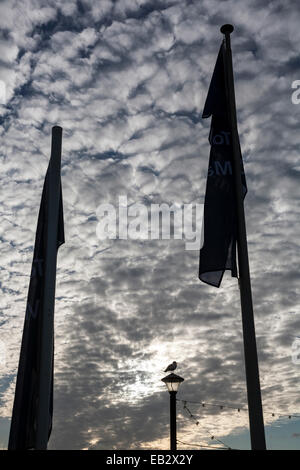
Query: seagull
pixel 171 366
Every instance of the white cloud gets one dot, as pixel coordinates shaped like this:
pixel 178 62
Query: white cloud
pixel 127 81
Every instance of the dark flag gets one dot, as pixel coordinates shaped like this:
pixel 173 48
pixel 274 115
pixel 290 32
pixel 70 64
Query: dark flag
pixel 218 250
pixel 24 418
pixel 224 220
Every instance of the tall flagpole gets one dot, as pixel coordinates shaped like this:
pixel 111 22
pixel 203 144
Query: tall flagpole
pixel 257 432
pixel 47 335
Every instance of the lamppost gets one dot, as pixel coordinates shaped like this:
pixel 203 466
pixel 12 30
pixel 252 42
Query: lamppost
pixel 172 382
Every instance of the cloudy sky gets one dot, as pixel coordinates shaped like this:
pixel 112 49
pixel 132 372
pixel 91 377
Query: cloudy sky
pixel 127 81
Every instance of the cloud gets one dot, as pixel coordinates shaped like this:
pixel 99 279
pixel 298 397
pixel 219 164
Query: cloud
pixel 127 82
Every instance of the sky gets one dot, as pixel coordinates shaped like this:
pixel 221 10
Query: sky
pixel 127 82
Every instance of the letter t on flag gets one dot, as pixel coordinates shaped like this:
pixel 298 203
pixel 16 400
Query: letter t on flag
pixel 218 251
pixel 31 422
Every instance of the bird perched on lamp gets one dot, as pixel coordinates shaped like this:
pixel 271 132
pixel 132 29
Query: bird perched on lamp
pixel 171 367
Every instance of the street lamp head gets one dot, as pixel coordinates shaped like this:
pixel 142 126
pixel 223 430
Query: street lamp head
pixel 172 382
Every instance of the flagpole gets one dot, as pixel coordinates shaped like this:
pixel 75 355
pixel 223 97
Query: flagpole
pixel 47 335
pixel 256 421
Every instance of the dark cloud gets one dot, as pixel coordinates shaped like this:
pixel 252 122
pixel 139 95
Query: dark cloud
pixel 127 81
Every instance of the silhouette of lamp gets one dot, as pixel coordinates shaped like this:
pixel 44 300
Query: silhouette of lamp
pixel 172 382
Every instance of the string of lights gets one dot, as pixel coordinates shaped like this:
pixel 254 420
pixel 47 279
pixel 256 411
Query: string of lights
pixel 222 406
pixel 197 422
pixel 204 446
pixel 190 413
pixel 196 419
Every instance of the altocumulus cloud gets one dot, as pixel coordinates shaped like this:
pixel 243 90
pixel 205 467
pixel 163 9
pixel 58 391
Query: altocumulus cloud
pixel 127 82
